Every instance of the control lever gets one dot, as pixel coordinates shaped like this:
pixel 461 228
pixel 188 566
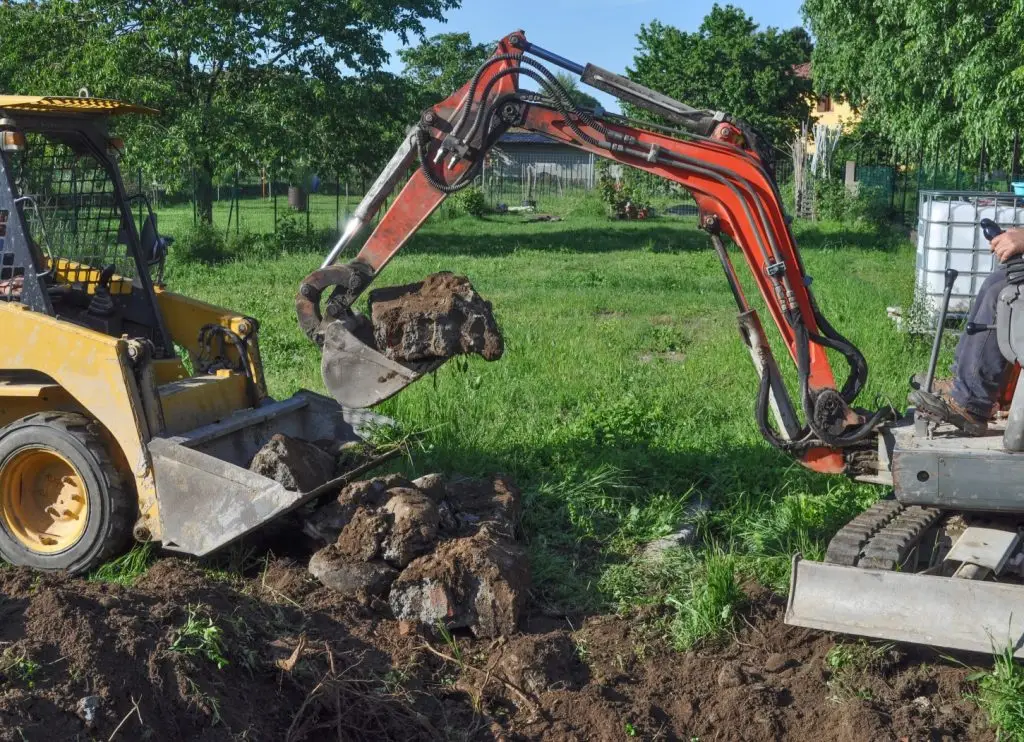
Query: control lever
pixel 951 276
pixel 973 328
pixel 990 229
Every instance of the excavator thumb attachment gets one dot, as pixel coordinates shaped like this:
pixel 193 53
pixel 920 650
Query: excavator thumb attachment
pixel 358 375
pixel 354 371
pixel 949 612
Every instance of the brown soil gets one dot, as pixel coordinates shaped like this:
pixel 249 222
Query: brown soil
pixel 63 640
pixel 435 319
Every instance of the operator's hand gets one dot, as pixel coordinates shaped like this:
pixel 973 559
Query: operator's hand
pixel 1008 244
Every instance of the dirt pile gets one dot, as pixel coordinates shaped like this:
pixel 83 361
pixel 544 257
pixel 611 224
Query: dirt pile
pixel 439 552
pixel 435 319
pixel 191 653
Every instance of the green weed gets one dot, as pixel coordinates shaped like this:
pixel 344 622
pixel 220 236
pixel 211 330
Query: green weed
pixel 127 568
pixel 199 636
pixel 847 662
pixel 1001 693
pixel 18 666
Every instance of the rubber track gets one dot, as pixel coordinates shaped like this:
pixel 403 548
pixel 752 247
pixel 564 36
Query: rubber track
pixel 846 547
pixel 882 536
pixel 890 547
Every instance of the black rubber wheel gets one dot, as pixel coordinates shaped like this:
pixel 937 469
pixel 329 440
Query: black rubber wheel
pixel 63 504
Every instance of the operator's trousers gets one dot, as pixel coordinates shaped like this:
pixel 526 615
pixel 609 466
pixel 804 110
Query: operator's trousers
pixel 979 368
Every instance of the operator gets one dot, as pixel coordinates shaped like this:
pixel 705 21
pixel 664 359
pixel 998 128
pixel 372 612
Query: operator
pixel 970 399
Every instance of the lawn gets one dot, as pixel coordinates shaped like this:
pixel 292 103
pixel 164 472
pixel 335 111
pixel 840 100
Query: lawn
pixel 624 397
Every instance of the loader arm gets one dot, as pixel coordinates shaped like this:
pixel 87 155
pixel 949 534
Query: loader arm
pixel 720 161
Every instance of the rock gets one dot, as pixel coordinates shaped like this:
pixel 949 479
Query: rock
pixel 538 663
pixel 778 662
pixel 294 464
pixel 363 536
pixel 414 526
pixel 731 676
pixel 684 536
pixel 476 582
pixel 435 319
pixel 87 708
pixel 360 580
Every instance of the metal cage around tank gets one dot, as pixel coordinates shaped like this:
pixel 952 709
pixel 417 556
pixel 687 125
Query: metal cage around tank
pixel 949 236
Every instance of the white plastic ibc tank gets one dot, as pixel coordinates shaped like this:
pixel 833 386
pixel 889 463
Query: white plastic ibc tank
pixel 949 236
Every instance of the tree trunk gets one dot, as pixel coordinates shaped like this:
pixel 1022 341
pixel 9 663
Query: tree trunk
pixel 204 191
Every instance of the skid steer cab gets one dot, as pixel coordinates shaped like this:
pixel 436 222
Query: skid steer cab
pixel 125 410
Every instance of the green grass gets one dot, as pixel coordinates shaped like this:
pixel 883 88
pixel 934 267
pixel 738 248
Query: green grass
pixel 609 436
pixel 127 568
pixel 1001 694
pixel 256 215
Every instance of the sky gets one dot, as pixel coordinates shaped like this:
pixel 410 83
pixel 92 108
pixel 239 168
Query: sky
pixel 599 31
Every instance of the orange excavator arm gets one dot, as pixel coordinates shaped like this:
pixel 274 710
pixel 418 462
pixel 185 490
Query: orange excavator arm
pixel 722 162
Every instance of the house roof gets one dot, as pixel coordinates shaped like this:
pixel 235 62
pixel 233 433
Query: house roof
pixel 803 71
pixel 516 135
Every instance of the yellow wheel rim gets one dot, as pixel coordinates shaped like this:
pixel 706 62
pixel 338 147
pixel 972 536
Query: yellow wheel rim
pixel 43 500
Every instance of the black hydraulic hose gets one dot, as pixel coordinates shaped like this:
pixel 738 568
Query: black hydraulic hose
pixel 471 93
pixel 803 440
pixel 803 362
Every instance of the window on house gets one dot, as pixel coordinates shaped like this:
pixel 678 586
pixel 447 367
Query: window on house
pixel 824 104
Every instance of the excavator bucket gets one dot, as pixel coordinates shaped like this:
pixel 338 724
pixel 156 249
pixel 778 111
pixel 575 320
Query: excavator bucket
pixel 358 375
pixel 949 612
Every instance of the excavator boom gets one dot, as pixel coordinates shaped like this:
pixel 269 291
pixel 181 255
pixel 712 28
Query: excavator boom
pixel 721 161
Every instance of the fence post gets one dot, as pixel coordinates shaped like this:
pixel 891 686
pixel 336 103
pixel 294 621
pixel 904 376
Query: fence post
pixel 981 164
pixel 273 196
pixel 337 202
pixel 195 205
pixel 959 151
pixel 1015 165
pixel 238 204
pixel 140 200
pixel 895 177
pixel 935 166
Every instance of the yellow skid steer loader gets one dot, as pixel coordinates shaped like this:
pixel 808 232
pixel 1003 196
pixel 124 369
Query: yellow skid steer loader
pixel 104 433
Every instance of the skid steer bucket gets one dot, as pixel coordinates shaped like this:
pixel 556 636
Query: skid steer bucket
pixel 207 495
pixel 945 612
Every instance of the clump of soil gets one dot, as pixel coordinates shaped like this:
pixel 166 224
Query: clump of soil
pixel 441 552
pixel 435 319
pixel 302 466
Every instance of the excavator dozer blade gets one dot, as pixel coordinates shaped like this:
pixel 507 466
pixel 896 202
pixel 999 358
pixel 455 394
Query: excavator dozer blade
pixel 948 612
pixel 359 376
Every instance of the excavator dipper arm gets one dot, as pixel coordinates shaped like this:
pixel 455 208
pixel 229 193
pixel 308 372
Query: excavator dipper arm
pixel 720 161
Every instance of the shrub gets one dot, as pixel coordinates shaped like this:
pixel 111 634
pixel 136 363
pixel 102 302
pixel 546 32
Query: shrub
pixel 834 202
pixel 626 198
pixel 469 201
pixel 204 243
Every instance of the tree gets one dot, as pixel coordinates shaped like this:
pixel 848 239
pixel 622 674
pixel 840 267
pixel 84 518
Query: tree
pixel 440 65
pixel 924 71
pixel 730 65
pixel 572 87
pixel 236 81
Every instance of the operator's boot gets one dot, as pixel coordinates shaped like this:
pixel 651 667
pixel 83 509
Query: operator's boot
pixel 941 387
pixel 942 408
